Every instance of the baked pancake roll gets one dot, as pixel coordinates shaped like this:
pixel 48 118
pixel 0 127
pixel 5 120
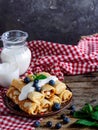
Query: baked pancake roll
pixel 45 106
pixel 29 107
pixel 55 99
pixel 36 97
pixel 48 91
pixel 18 84
pixel 13 94
pixel 59 86
pixel 44 73
pixel 65 95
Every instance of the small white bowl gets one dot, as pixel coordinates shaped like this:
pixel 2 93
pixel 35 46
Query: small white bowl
pixel 8 72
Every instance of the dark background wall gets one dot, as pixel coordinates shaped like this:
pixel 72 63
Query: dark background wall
pixel 62 21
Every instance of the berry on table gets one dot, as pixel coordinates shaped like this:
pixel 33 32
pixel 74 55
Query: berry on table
pixel 62 116
pixel 56 106
pixel 66 120
pixel 36 123
pixel 27 80
pixel 73 107
pixel 58 125
pixel 49 124
pixel 52 82
pixel 72 112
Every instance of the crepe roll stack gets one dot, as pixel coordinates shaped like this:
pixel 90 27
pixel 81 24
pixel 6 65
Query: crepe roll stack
pixel 34 102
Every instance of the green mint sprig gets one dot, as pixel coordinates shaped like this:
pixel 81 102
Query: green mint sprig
pixel 39 77
pixel 88 115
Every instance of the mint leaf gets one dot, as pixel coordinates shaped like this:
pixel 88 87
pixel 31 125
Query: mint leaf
pixel 94 115
pixel 80 114
pixel 86 123
pixel 34 76
pixel 87 108
pixel 95 108
pixel 41 76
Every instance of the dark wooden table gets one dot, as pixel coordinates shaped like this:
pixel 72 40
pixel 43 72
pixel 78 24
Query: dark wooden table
pixel 85 90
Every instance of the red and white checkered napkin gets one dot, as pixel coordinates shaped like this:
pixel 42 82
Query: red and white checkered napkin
pixel 57 59
pixel 60 59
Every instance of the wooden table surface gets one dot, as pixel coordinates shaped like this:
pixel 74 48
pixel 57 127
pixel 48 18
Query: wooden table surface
pixel 85 90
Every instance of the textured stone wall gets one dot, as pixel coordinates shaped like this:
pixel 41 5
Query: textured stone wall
pixel 62 21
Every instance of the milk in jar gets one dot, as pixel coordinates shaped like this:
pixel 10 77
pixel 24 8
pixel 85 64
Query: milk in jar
pixel 15 49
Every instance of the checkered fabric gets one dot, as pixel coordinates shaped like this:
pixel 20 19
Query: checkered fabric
pixel 59 60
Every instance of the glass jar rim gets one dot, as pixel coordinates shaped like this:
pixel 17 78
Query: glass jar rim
pixel 24 36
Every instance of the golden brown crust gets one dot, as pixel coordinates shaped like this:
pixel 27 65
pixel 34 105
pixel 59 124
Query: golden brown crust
pixel 48 91
pixel 59 86
pixel 18 84
pixel 36 97
pixel 65 96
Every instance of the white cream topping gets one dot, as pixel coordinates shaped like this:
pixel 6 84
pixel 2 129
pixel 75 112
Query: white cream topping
pixel 29 88
pixel 25 90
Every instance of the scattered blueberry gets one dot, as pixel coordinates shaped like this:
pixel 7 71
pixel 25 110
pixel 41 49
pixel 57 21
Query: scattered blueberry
pixel 38 89
pixel 73 107
pixel 27 80
pixel 66 120
pixel 36 123
pixel 52 82
pixel 72 112
pixel 58 125
pixel 56 106
pixel 49 124
pixel 62 116
pixel 36 81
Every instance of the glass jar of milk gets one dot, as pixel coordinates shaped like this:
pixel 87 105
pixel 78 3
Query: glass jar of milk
pixel 15 49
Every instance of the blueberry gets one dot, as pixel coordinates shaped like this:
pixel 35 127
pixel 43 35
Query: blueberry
pixel 56 106
pixel 35 85
pixel 36 124
pixel 73 107
pixel 72 112
pixel 52 82
pixel 49 124
pixel 66 120
pixel 27 80
pixel 38 89
pixel 62 116
pixel 58 125
pixel 36 81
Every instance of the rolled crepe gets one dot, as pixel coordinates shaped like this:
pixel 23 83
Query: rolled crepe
pixel 45 106
pixel 55 99
pixel 48 91
pixel 44 73
pixel 29 107
pixel 26 105
pixel 59 86
pixel 13 94
pixel 36 97
pixel 18 84
pixel 65 95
